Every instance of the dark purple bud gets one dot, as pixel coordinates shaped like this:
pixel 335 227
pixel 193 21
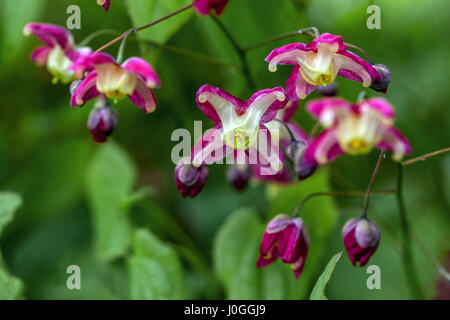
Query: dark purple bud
pixel 361 238
pixel 239 175
pixel 328 91
pixel 102 123
pixel 382 84
pixel 295 153
pixel 189 179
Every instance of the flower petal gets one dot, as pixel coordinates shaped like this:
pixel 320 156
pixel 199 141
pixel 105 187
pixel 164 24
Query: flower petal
pixel 335 43
pixel 296 86
pixel 395 142
pixel 324 148
pixel 264 104
pixel 143 97
pixel 144 70
pixel 217 104
pixel 288 54
pixel 325 109
pixel 86 91
pixel 40 55
pixel 381 105
pixel 50 34
pixel 354 68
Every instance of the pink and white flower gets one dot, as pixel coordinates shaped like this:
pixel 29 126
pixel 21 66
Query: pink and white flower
pixel 134 78
pixel 287 239
pixel 239 129
pixel 319 63
pixel 58 52
pixel 354 129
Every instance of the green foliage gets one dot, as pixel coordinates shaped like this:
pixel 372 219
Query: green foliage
pixel 145 11
pixel 154 269
pixel 110 179
pixel 318 292
pixel 10 286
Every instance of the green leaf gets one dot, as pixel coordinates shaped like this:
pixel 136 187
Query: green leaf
pixel 10 286
pixel 110 178
pixel 318 292
pixel 235 253
pixel 14 15
pixel 9 202
pixel 154 269
pixel 146 11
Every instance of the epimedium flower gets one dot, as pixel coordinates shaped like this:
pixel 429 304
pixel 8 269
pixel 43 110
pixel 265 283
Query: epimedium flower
pixel 58 53
pixel 204 7
pixel 189 179
pixel 354 129
pixel 134 78
pixel 102 122
pixel 104 3
pixel 287 239
pixel 239 129
pixel 361 238
pixel 318 63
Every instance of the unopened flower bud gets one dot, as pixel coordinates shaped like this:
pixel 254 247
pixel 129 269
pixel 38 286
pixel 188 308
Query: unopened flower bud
pixel 190 179
pixel 328 91
pixel 295 153
pixel 286 238
pixel 382 84
pixel 102 123
pixel 239 175
pixel 361 238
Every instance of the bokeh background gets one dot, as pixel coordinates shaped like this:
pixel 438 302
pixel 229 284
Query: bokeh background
pixel 114 209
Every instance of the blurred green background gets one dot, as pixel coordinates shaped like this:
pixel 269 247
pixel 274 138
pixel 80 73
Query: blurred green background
pixel 114 209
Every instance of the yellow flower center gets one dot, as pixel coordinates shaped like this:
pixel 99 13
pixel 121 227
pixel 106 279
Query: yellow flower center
pixel 239 139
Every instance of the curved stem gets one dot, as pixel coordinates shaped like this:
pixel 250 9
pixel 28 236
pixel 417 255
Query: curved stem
pixel 336 194
pixel 307 31
pixel 362 51
pixel 372 179
pixel 148 25
pixel 96 34
pixel 408 262
pixel 240 52
pixel 425 156
pixel 291 134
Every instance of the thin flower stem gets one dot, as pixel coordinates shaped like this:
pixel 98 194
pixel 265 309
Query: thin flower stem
pixel 336 194
pixel 148 25
pixel 96 34
pixel 362 51
pixel 307 31
pixel 189 53
pixel 362 94
pixel 425 156
pixel 314 130
pixel 291 134
pixel 408 261
pixel 372 179
pixel 240 52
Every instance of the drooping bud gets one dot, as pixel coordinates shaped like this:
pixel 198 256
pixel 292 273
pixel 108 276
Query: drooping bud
pixel 190 179
pixel 102 123
pixel 328 91
pixel 295 153
pixel 382 85
pixel 286 238
pixel 239 175
pixel 361 238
